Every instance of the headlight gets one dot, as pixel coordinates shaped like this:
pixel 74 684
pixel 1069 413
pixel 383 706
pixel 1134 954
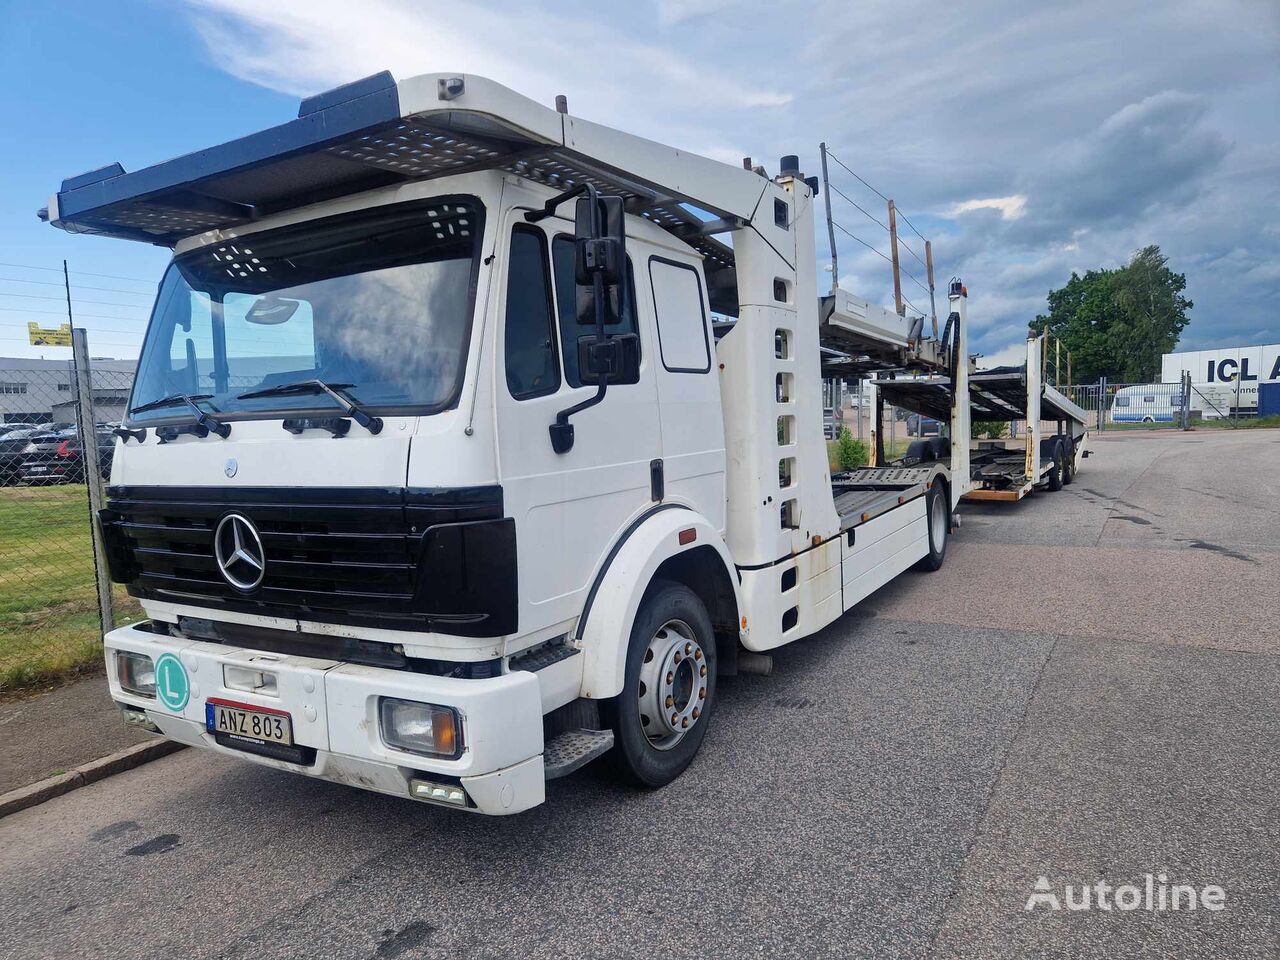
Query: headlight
pixel 423 728
pixel 137 673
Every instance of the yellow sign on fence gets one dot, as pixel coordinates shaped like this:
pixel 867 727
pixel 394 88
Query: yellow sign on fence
pixel 41 337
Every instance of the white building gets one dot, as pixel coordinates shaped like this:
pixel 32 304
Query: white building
pixel 40 391
pixel 1227 378
pixel 1260 364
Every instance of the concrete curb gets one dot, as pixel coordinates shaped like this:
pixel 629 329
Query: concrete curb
pixel 85 774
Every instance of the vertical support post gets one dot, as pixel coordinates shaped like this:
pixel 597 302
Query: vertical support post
pixel 1057 362
pixel 961 426
pixel 1035 386
pixel 1102 404
pixel 933 307
pixel 1186 400
pixel 92 472
pixel 877 428
pixel 831 230
pixel 893 249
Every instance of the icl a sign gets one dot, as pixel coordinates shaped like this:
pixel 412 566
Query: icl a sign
pixel 1227 370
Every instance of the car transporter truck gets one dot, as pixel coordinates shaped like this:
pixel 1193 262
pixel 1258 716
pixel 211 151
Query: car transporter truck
pixel 436 480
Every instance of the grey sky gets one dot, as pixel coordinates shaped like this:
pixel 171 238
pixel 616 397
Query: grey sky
pixel 1026 139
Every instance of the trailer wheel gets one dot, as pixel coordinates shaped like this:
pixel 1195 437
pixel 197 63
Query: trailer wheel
pixel 669 692
pixel 1055 472
pixel 938 514
pixel 1068 460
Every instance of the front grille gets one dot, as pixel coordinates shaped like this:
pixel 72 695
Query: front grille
pixel 332 554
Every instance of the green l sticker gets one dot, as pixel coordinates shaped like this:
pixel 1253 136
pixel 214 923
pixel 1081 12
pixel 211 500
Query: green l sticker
pixel 171 682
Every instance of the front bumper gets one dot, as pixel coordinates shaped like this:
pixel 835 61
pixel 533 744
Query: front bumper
pixel 333 707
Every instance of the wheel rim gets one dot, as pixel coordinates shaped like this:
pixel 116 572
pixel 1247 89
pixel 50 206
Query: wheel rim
pixel 938 525
pixel 673 684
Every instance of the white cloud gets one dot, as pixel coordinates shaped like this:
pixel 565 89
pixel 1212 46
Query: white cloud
pixel 1012 355
pixel 1011 207
pixel 301 47
pixel 1040 143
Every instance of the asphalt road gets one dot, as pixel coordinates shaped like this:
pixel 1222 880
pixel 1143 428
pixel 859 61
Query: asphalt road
pixel 1087 691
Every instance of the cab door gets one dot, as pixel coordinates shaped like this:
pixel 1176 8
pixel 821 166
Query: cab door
pixel 568 507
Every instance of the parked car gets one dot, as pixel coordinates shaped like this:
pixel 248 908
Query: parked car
pixel 13 447
pixel 59 458
pixel 8 428
pixel 922 426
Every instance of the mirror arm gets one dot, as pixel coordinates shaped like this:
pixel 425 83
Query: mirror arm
pixel 549 208
pixel 562 430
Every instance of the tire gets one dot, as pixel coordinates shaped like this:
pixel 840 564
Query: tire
pixel 1068 460
pixel 1055 472
pixel 940 449
pixel 938 517
pixel 671 637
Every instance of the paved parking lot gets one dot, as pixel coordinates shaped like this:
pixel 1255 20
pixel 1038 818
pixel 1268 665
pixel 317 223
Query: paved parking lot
pixel 1087 691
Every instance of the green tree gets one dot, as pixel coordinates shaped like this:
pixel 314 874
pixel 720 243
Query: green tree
pixel 1117 323
pixel 850 453
pixel 988 429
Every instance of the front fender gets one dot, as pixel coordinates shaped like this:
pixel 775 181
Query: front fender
pixel 605 628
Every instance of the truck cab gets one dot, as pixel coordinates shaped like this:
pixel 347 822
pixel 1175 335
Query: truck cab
pixel 435 479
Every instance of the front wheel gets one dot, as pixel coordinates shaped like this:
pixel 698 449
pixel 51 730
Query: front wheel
pixel 668 695
pixel 938 513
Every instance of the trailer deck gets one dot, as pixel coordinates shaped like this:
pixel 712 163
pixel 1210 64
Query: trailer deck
pixel 862 495
pixel 993 395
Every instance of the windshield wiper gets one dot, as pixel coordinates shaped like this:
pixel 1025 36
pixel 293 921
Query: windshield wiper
pixel 338 391
pixel 203 420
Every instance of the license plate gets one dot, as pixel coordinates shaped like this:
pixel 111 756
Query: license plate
pixel 248 723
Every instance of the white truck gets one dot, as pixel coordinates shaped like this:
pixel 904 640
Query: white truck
pixel 437 479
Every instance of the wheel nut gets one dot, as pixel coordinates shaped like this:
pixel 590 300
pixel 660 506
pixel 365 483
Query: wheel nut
pixel 671 701
pixel 688 648
pixel 674 718
pixel 684 724
pixel 671 677
pixel 696 713
pixel 697 654
pixel 679 656
pixel 702 694
pixel 702 671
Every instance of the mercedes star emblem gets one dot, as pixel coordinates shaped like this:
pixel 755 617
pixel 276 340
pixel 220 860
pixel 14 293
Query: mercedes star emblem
pixel 230 467
pixel 239 552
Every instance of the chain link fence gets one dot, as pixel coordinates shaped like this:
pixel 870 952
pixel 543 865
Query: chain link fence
pixel 51 610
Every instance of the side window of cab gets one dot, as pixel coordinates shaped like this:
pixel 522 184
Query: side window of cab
pixel 530 339
pixel 562 254
pixel 681 312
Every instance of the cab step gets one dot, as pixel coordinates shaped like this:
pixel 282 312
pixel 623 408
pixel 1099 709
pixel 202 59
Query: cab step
pixel 568 751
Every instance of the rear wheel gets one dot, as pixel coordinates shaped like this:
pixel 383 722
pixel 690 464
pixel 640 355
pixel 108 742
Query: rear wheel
pixel 938 514
pixel 1068 460
pixel 1055 472
pixel 668 695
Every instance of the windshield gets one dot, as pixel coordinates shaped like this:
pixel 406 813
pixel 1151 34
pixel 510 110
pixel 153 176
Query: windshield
pixel 378 301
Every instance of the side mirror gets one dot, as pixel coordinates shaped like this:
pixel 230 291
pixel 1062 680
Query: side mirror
pixel 617 358
pixel 599 251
